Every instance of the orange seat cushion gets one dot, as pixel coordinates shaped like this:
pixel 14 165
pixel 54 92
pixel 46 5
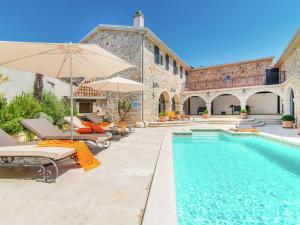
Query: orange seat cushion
pixel 87 123
pixel 86 130
pixel 97 128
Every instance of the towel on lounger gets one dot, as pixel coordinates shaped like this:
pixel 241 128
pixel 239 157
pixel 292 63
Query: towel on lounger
pixel 86 159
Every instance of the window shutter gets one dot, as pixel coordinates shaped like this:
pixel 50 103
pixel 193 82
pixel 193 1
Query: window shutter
pixel 156 55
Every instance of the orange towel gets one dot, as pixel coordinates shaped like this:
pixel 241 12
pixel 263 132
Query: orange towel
pixel 86 159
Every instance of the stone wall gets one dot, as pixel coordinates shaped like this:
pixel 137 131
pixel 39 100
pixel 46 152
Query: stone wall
pixel 291 66
pixel 127 46
pixel 167 81
pixel 250 73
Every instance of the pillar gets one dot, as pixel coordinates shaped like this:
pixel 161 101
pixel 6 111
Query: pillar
pixel 208 107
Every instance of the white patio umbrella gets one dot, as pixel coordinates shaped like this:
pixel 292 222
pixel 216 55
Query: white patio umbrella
pixel 117 84
pixel 61 60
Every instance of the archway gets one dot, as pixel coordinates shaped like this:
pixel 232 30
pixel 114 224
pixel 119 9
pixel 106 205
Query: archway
pixel 175 103
pixel 194 105
pixel 290 102
pixel 225 104
pixel 164 102
pixel 264 103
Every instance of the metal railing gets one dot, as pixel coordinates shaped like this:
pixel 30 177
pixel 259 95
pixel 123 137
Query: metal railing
pixel 243 81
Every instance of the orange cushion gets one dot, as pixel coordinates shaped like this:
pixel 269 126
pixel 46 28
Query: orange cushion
pixel 103 124
pixel 97 128
pixel 86 130
pixel 87 123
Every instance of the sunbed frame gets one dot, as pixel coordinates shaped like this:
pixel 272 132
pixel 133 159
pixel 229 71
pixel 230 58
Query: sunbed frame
pixel 38 159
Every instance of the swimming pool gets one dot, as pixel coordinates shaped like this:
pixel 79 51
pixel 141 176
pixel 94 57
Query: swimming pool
pixel 228 179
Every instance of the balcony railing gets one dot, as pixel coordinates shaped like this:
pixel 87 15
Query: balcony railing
pixel 243 81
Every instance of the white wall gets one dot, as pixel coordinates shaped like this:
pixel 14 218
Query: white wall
pixel 263 103
pixel 222 104
pixel 195 103
pixel 20 81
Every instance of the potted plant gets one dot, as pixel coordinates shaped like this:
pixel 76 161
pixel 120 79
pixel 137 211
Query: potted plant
pixel 162 117
pixel 243 113
pixel 205 114
pixel 287 121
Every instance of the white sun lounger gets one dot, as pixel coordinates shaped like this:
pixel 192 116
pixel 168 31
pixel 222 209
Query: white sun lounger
pixel 12 154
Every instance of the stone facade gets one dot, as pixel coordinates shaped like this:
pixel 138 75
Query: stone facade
pixel 290 63
pixel 126 45
pixel 169 84
pixel 136 48
pixel 240 74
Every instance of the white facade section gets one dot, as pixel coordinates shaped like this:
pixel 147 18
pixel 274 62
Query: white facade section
pixel 21 81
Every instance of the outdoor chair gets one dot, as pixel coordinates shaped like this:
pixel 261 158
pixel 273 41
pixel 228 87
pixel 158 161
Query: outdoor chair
pixel 115 128
pixel 14 154
pixel 45 130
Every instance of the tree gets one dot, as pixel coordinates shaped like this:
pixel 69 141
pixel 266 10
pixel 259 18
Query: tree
pixel 38 86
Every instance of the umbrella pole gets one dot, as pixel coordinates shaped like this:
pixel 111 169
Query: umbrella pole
pixel 71 97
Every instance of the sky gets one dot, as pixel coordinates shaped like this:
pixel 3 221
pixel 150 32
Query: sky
pixel 201 32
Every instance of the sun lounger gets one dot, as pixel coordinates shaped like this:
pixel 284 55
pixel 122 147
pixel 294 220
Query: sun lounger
pixel 45 130
pixel 116 129
pixel 12 154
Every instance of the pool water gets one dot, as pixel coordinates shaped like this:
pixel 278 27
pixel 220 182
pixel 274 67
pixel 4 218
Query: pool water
pixel 228 179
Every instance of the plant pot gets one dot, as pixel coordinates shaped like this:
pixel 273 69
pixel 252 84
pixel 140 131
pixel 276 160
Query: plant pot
pixel 243 115
pixel 287 124
pixel 162 119
pixel 205 116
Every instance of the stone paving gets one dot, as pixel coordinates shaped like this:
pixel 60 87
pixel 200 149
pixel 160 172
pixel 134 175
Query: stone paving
pixel 113 194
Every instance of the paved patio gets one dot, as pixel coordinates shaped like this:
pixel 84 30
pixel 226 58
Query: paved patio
pixel 113 194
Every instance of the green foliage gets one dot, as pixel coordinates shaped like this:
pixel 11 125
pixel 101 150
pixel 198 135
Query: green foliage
pixel 46 116
pixel 3 101
pixel 177 112
pixel 124 107
pixel 162 114
pixel 21 107
pixel 25 106
pixel 287 118
pixel 55 108
pixel 243 111
pixel 205 111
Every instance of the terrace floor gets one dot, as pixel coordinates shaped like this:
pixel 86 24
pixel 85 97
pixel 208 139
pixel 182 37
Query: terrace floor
pixel 113 194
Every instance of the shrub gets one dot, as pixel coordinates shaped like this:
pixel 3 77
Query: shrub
pixel 124 107
pixel 287 118
pixel 46 116
pixel 3 101
pixel 243 111
pixel 205 111
pixel 162 114
pixel 54 107
pixel 23 106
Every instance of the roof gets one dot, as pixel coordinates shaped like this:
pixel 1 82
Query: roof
pixel 85 91
pixel 289 49
pixel 236 63
pixel 144 30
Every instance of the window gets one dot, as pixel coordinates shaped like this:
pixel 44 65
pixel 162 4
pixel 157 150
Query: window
pixel 167 62
pixel 181 70
pixel 175 69
pixel 161 60
pixel 156 55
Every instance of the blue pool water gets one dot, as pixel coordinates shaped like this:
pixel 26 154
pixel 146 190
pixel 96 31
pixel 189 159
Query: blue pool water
pixel 226 179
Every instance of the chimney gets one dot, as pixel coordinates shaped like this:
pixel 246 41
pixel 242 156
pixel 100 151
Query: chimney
pixel 138 19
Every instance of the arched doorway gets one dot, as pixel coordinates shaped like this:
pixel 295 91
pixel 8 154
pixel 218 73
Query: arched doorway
pixel 291 102
pixel 164 102
pixel 175 103
pixel 225 104
pixel 264 103
pixel 194 105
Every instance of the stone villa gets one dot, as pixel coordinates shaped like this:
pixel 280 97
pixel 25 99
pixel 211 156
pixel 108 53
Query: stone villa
pixel 260 85
pixel 263 86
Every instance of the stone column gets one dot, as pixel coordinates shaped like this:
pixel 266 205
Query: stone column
pixel 243 104
pixel 208 106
